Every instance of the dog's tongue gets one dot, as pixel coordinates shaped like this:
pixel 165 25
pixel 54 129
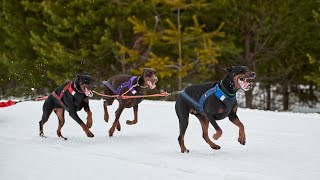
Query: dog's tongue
pixel 151 85
pixel 88 92
pixel 244 85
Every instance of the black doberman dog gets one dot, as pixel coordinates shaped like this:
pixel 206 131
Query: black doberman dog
pixel 71 96
pixel 213 101
pixel 128 85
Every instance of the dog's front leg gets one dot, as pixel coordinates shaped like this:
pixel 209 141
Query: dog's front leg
pixel 135 112
pixel 213 122
pixel 242 134
pixel 74 115
pixel 89 117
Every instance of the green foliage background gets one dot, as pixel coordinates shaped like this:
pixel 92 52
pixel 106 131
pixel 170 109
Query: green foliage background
pixel 43 43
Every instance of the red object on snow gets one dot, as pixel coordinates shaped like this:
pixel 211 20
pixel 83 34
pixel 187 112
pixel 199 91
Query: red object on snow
pixel 8 103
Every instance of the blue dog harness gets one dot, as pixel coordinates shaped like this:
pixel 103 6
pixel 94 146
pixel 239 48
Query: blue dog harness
pixel 127 84
pixel 227 100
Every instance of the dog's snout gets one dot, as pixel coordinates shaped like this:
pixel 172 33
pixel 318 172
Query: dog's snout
pixel 253 74
pixel 155 79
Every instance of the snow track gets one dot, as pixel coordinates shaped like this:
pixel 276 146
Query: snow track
pixel 279 146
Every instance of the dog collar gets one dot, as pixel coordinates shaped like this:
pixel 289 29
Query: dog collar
pixel 224 91
pixel 73 92
pixel 139 84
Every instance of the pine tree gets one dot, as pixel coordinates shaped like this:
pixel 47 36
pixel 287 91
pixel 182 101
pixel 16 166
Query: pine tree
pixel 76 37
pixel 178 50
pixel 314 58
pixel 17 54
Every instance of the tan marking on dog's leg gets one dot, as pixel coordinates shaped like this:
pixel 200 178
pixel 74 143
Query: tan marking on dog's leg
pixel 113 128
pixel 60 113
pixel 86 130
pixel 205 125
pixel 193 111
pixel 116 121
pixel 89 118
pixel 242 134
pixel 182 145
pixel 119 126
pixel 135 112
pixel 217 135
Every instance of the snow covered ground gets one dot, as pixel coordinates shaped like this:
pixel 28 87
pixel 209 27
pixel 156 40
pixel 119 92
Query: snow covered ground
pixel 280 145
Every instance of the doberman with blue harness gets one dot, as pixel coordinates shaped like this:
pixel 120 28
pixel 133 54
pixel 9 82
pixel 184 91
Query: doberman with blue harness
pixel 213 101
pixel 131 86
pixel 72 97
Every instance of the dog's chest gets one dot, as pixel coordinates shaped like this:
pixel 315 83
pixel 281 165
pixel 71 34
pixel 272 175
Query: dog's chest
pixel 220 109
pixel 79 100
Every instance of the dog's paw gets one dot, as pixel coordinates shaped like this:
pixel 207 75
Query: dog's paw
pixel 89 134
pixel 110 133
pixel 119 127
pixel 63 138
pixel 215 147
pixel 185 151
pixel 129 122
pixel 217 135
pixel 242 140
pixel 42 135
pixel 242 137
pixel 106 118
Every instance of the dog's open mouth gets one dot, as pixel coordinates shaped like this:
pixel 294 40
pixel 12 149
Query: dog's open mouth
pixel 244 83
pixel 88 92
pixel 151 84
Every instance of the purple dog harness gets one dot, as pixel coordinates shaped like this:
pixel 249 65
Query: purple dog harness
pixel 127 84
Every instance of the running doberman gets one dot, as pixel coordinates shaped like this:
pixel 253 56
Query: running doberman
pixel 128 85
pixel 72 97
pixel 213 101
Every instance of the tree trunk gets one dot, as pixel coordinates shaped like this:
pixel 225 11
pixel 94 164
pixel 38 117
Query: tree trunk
pixel 268 88
pixel 249 99
pixel 285 93
pixel 180 52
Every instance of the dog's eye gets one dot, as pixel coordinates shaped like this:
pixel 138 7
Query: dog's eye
pixel 241 79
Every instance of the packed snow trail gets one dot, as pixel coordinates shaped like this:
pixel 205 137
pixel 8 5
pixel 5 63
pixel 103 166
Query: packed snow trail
pixel 280 146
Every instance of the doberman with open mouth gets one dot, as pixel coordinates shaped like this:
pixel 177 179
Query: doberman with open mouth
pixel 213 101
pixel 72 97
pixel 130 86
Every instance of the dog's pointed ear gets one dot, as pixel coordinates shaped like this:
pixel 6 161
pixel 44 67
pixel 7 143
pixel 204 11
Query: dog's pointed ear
pixel 228 69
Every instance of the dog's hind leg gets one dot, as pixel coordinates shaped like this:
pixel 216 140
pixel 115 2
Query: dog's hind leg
pixel 60 113
pixel 116 122
pixel 183 115
pixel 205 125
pixel 135 120
pixel 106 103
pixel 47 109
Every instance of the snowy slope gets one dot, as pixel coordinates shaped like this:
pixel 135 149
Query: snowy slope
pixel 279 146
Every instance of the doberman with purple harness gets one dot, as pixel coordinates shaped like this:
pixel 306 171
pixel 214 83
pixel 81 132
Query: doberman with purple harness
pixel 119 90
pixel 127 85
